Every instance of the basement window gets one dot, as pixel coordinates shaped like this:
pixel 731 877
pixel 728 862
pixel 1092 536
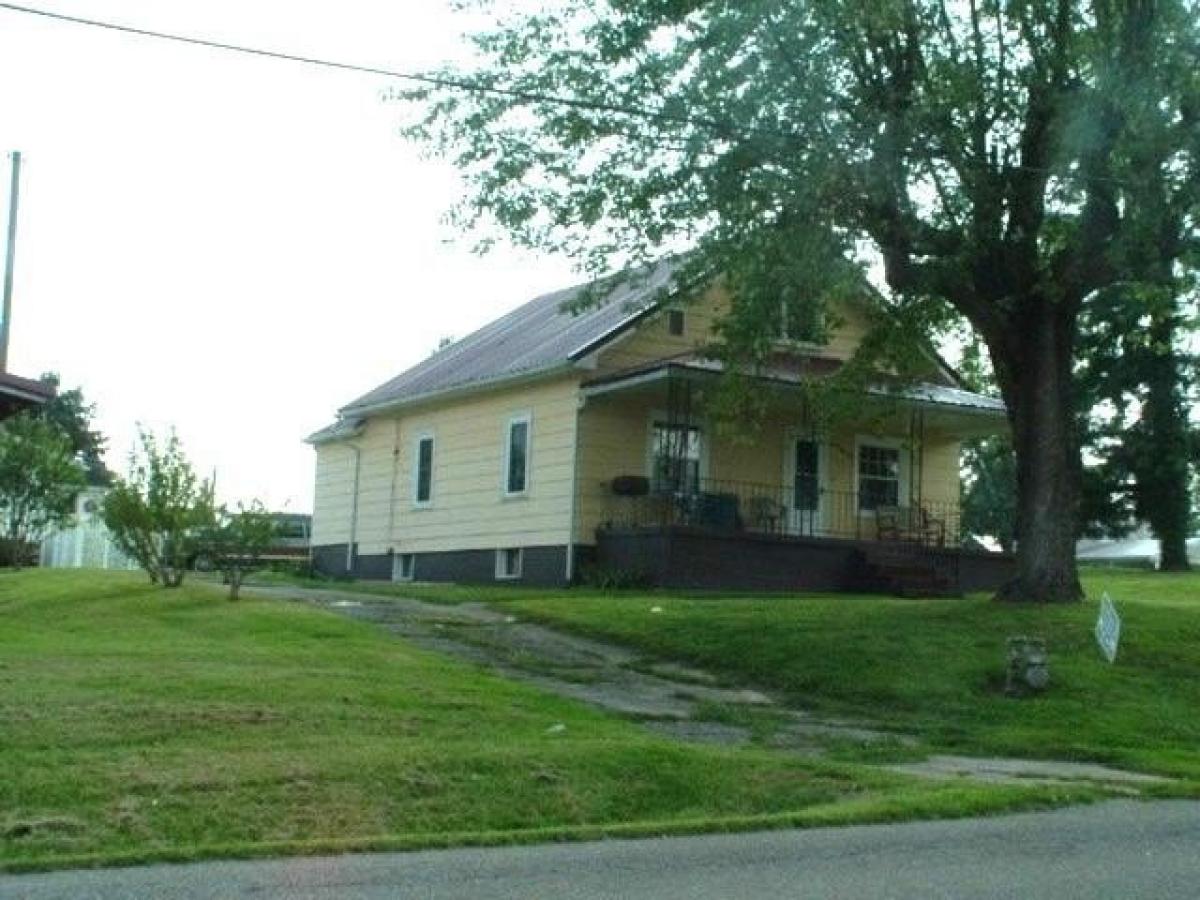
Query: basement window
pixel 508 563
pixel 404 566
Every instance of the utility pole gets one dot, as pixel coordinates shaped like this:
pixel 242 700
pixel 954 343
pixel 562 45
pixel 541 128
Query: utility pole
pixel 9 259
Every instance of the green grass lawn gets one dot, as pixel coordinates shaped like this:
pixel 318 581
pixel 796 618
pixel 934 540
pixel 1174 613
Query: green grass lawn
pixel 138 724
pixel 935 667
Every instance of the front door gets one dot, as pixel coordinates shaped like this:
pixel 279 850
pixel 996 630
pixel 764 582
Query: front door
pixel 806 511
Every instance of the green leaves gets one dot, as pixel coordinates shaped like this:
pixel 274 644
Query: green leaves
pixel 234 542
pixel 158 511
pixel 39 479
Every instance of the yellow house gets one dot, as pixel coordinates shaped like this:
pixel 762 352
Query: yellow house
pixel 548 445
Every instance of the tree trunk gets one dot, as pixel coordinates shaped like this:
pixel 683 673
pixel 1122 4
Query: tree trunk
pixel 1035 373
pixel 235 583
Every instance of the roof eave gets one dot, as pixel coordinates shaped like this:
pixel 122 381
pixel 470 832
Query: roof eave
pixel 618 381
pixel 317 438
pixel 450 393
pixel 598 342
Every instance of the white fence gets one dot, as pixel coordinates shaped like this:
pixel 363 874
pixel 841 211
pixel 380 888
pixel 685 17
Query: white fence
pixel 85 545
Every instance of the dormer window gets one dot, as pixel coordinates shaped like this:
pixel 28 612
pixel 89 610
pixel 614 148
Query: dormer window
pixel 800 323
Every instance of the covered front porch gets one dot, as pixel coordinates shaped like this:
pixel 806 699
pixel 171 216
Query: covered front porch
pixel 866 499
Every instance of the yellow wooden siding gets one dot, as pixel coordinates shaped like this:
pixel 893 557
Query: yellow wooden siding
pixel 375 484
pixel 615 435
pixel 613 440
pixel 848 326
pixel 652 341
pixel 469 510
pixel 941 478
pixel 332 494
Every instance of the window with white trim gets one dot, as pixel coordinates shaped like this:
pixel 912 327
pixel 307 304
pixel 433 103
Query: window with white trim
pixel 516 456
pixel 423 471
pixel 675 457
pixel 508 562
pixel 404 567
pixel 878 476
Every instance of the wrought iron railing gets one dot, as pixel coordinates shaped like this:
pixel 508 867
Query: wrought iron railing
pixel 753 507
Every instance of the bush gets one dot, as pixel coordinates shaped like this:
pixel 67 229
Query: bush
pixel 39 480
pixel 159 511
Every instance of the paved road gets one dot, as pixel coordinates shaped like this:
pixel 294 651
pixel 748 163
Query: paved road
pixel 1120 849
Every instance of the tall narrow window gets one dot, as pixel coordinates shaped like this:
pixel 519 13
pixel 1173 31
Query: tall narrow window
pixel 807 482
pixel 675 457
pixel 878 477
pixel 516 456
pixel 675 322
pixel 423 477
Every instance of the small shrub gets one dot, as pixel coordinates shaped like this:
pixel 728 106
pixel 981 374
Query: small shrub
pixel 157 513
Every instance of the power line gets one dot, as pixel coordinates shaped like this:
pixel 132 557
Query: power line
pixel 724 128
pixel 430 80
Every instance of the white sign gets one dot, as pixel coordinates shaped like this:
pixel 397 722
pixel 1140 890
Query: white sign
pixel 1108 628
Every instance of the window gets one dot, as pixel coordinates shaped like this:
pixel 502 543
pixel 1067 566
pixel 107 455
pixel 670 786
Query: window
pixel 516 456
pixel 404 566
pixel 508 562
pixel 800 322
pixel 675 322
pixel 423 472
pixel 675 457
pixel 806 485
pixel 878 477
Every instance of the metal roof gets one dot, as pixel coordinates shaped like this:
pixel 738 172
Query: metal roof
pixel 946 396
pixel 923 392
pixel 544 335
pixel 537 337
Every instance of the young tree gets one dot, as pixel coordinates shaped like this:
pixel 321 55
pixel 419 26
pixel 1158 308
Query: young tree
pixel 39 480
pixel 235 542
pixel 976 148
pixel 73 414
pixel 157 513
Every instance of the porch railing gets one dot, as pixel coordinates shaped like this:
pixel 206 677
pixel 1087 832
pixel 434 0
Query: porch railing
pixel 761 508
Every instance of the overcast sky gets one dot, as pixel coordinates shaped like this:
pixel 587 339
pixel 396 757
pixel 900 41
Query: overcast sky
pixel 235 246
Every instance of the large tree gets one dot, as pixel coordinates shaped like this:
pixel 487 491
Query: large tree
pixel 975 147
pixel 1138 376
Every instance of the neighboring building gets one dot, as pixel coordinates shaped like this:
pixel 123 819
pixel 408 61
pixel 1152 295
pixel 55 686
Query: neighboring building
pixel 290 542
pixel 1140 549
pixel 85 543
pixel 19 394
pixel 548 442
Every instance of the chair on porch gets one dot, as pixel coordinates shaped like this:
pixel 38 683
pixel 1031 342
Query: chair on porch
pixel 910 523
pixel 766 514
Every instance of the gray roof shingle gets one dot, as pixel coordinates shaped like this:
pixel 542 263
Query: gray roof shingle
pixel 539 336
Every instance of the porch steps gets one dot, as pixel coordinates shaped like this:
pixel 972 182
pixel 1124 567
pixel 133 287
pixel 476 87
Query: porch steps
pixel 901 571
